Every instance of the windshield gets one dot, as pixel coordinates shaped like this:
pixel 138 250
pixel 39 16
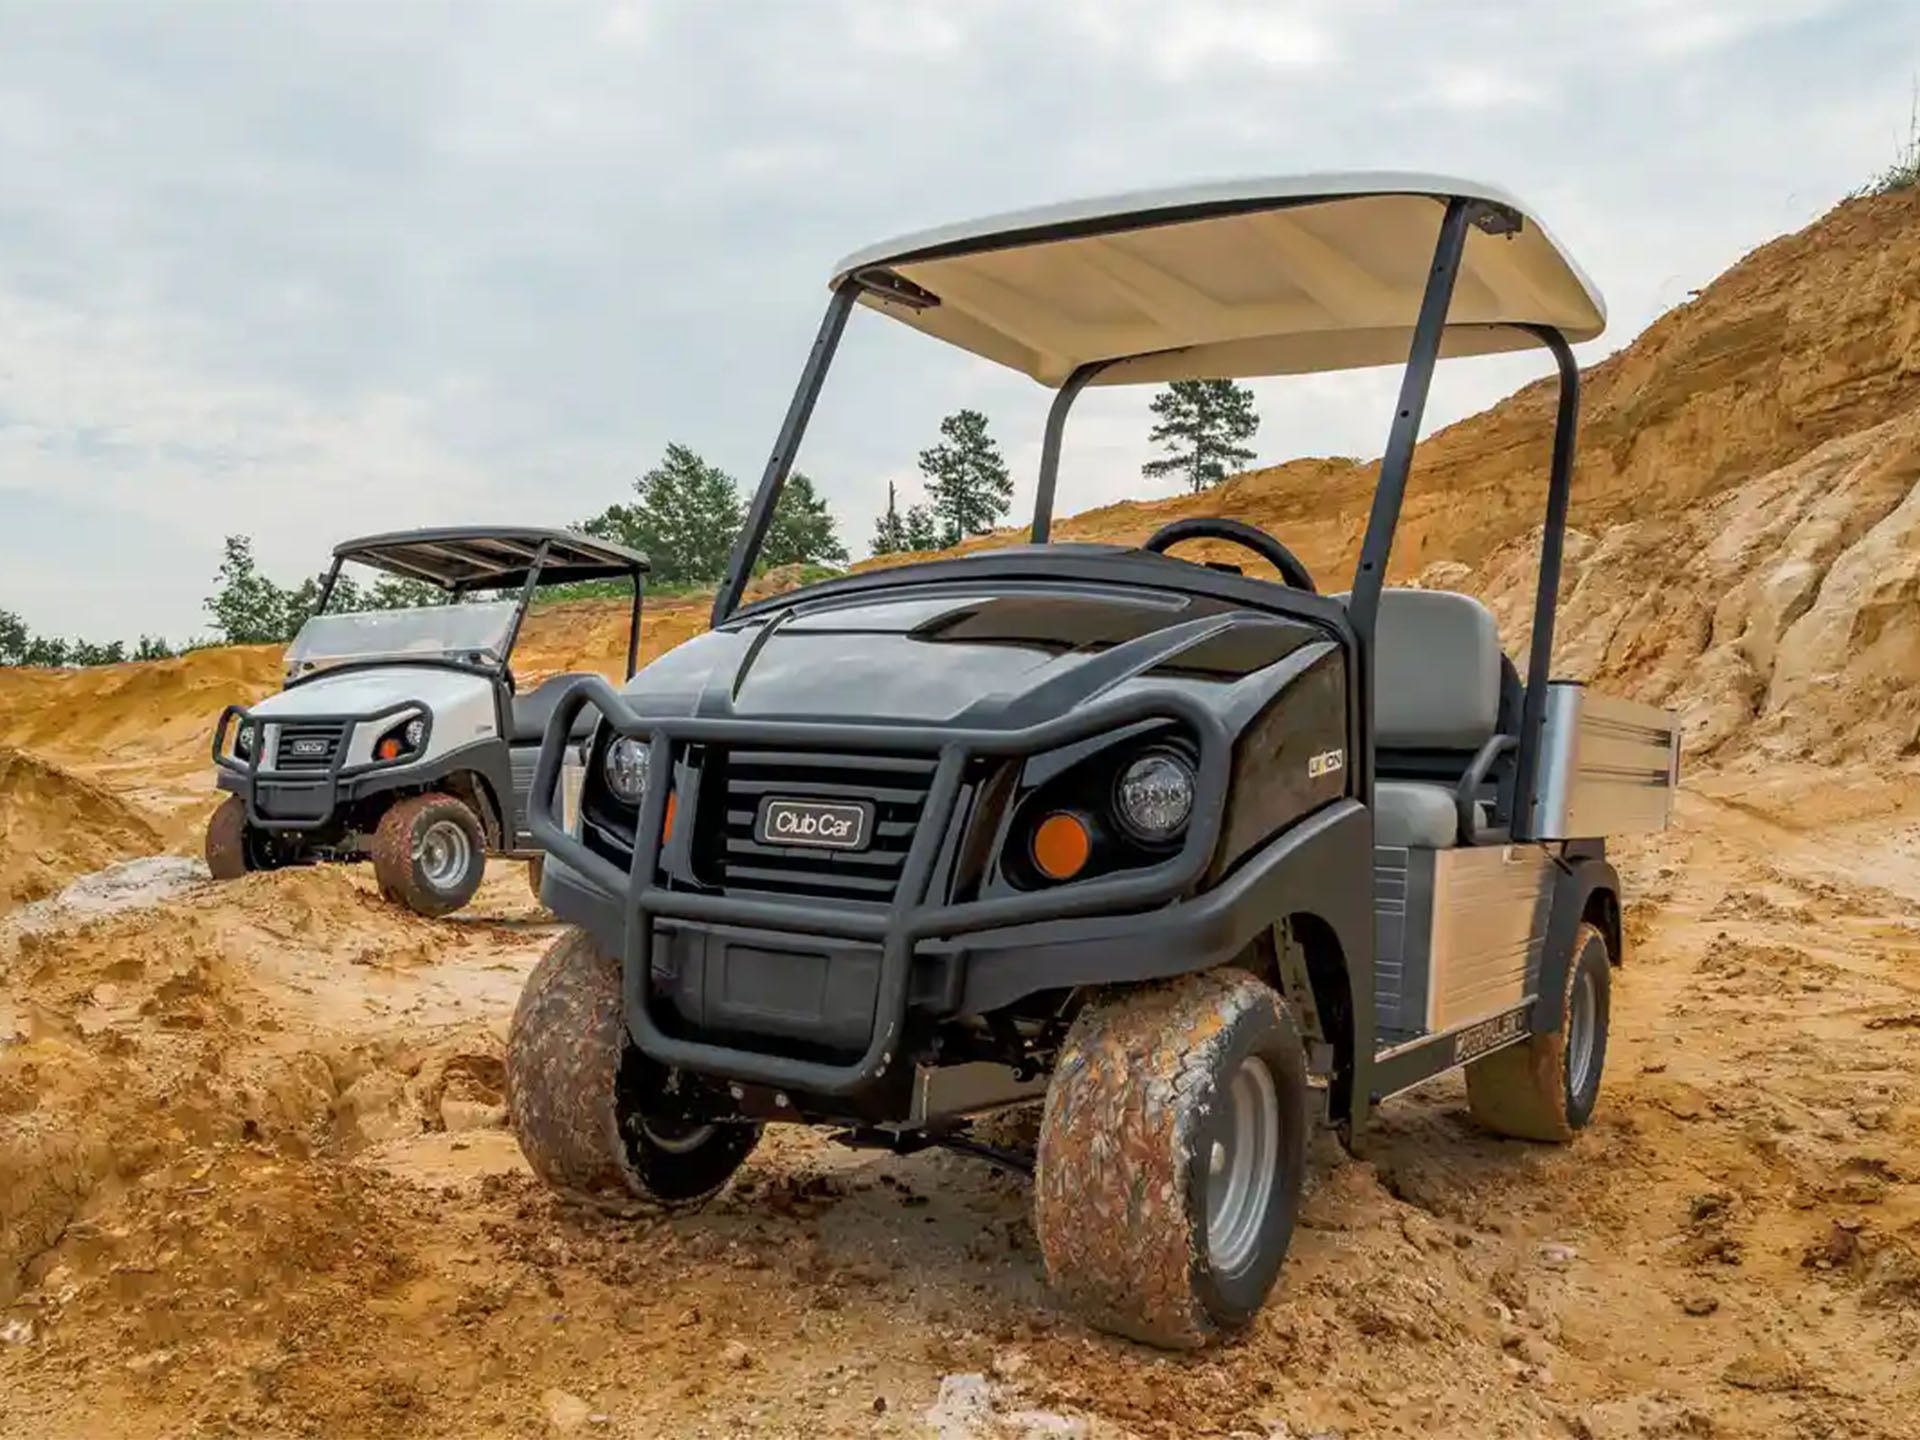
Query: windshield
pixel 475 633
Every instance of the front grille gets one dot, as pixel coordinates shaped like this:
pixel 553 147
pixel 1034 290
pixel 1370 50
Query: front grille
pixel 308 747
pixel 895 785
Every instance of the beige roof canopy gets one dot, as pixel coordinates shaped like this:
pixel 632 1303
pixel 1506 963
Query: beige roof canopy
pixel 1277 276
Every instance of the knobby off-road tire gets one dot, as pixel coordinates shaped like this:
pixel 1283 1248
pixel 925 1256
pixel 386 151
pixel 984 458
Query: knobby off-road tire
pixel 430 854
pixel 1168 1101
pixel 577 1094
pixel 1545 1088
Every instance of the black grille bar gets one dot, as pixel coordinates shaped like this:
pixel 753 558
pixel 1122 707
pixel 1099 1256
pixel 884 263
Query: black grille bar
pixel 742 863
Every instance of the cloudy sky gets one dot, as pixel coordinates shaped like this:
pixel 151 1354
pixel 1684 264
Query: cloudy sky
pixel 309 268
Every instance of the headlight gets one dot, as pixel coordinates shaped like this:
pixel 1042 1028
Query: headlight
pixel 243 740
pixel 1154 796
pixel 625 766
pixel 415 732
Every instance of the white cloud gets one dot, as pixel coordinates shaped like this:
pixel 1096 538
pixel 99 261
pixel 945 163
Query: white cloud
pixel 291 268
pixel 1473 88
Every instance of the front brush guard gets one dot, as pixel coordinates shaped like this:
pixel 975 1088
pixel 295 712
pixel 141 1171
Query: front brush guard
pixel 913 916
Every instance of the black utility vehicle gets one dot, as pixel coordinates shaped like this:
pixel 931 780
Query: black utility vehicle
pixel 1194 854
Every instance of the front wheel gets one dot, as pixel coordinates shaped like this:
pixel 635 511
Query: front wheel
pixel 1172 1154
pixel 590 1111
pixel 234 848
pixel 1545 1087
pixel 430 854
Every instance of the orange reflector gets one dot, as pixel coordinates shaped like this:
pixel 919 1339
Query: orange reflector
pixel 387 749
pixel 666 829
pixel 1061 846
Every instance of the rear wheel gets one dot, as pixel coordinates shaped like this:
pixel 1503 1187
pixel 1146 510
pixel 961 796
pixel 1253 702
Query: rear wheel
pixel 1172 1152
pixel 589 1110
pixel 1545 1088
pixel 430 854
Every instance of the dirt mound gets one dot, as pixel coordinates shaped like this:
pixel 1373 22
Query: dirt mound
pixel 55 826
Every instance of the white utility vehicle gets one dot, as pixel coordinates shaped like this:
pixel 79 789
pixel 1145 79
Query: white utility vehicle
pixel 400 736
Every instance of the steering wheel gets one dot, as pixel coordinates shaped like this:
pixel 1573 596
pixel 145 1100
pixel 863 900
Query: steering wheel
pixel 1212 527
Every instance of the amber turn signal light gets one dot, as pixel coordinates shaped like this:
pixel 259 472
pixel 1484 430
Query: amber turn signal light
pixel 388 749
pixel 1061 846
pixel 666 826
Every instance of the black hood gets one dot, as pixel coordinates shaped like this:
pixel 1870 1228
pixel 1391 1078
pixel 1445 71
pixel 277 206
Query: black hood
pixel 968 654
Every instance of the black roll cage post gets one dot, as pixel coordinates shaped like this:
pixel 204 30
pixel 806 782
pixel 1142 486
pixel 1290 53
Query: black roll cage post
pixel 1369 578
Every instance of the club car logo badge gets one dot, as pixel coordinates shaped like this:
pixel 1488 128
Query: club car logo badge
pixel 819 823
pixel 309 747
pixel 1327 762
pixel 1488 1034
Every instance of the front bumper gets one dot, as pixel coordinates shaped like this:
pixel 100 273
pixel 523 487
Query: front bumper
pixel 307 798
pixel 920 952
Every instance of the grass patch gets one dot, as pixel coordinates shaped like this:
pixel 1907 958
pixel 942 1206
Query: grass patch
pixel 1904 172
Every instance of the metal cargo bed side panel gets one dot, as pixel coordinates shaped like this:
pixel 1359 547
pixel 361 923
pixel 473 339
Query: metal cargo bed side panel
pixel 1607 767
pixel 1459 935
pixel 1490 909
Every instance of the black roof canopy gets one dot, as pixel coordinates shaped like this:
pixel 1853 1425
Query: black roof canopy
pixel 491 557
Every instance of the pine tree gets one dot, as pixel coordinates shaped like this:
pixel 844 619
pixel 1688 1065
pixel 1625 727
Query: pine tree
pixel 967 482
pixel 890 532
pixel 1203 423
pixel 801 531
pixel 922 528
pixel 684 520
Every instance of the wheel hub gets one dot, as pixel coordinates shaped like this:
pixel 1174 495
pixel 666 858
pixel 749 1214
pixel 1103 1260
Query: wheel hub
pixel 1241 1164
pixel 1582 1025
pixel 443 854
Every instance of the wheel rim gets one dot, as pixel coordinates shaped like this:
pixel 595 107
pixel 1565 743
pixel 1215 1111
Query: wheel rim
pixel 1583 1025
pixel 676 1137
pixel 444 854
pixel 1241 1165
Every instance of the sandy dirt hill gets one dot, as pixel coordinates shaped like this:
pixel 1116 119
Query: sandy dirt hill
pixel 254 1180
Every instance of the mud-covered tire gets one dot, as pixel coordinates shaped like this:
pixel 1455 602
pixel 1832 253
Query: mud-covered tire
pixel 1139 1133
pixel 409 847
pixel 1545 1088
pixel 234 848
pixel 577 1094
pixel 226 844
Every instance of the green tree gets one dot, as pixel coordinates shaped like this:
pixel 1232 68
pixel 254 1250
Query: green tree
pixel 247 607
pixel 14 639
pixel 1203 422
pixel 801 532
pixel 922 528
pixel 967 482
pixel 85 652
pixel 683 520
pixel 397 592
pixel 47 650
pixel 153 647
pixel 896 533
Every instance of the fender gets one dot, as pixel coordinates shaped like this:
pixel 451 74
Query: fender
pixel 1583 877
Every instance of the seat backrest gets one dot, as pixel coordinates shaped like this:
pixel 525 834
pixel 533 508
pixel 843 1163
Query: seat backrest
pixel 1437 670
